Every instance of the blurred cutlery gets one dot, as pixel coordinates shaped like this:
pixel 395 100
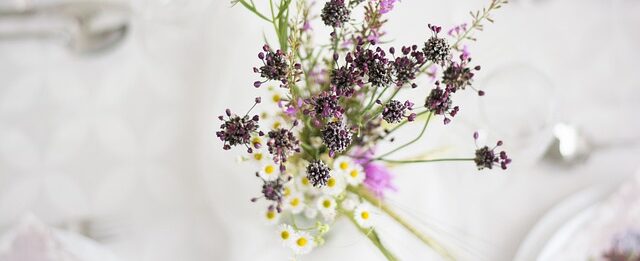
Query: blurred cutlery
pixel 87 27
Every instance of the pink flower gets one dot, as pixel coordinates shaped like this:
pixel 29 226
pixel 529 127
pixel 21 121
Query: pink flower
pixel 378 178
pixel 386 6
pixel 306 26
pixel 292 108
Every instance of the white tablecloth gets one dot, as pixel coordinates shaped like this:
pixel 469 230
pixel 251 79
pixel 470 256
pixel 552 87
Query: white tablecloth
pixel 130 135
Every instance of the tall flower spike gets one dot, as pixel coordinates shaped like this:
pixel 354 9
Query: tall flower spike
pixel 274 66
pixel 439 102
pixel 335 13
pixel 238 130
pixel 318 173
pixel 459 75
pixel 394 111
pixel 436 49
pixel 282 144
pixel 336 137
pixel 487 158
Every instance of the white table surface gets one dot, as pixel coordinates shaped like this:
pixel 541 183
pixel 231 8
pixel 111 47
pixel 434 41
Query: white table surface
pixel 129 136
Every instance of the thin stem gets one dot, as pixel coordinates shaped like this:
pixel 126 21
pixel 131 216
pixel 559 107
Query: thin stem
pixel 403 123
pixel 432 243
pixel 424 128
pixel 253 9
pixel 424 161
pixel 372 235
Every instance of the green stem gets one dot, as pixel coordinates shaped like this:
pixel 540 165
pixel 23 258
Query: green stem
pixel 424 128
pixel 432 243
pixel 372 235
pixel 253 9
pixel 424 161
pixel 403 123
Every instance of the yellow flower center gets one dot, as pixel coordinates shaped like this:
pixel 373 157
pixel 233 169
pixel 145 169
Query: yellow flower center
pixel 364 215
pixel 326 203
pixel 257 156
pixel 301 241
pixel 287 191
pixel 305 181
pixel 276 125
pixel 344 165
pixel 256 140
pixel 271 214
pixel 295 202
pixel 284 235
pixel 269 169
pixel 276 98
pixel 331 182
pixel 354 173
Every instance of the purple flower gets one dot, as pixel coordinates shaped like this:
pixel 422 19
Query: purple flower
pixel 325 105
pixel 487 157
pixel 378 178
pixel 336 137
pixel 306 26
pixel 459 75
pixel 436 49
pixel 237 130
pixel 457 30
pixel 386 6
pixel 293 108
pixel 394 111
pixel 406 66
pixel 335 13
pixel 439 102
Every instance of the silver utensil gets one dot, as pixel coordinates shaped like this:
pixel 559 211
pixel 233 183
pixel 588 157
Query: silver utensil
pixel 83 27
pixel 571 147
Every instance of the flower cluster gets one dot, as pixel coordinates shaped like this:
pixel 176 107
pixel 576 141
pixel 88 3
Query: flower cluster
pixel 395 111
pixel 275 67
pixel 408 65
pixel 436 49
pixel 487 157
pixel 314 145
pixel 238 130
pixel 335 13
pixel 439 102
pixel 458 75
pixel 336 137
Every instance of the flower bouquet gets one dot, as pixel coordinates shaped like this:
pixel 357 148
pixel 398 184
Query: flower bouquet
pixel 334 103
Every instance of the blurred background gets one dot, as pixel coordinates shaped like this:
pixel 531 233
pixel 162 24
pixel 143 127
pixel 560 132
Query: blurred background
pixel 109 132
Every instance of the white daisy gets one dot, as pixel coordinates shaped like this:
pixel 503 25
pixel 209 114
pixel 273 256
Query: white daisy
pixel 277 94
pixel 269 171
pixel 335 185
pixel 301 243
pixel 271 216
pixel 310 212
pixel 363 216
pixel 349 203
pixel 286 233
pixel 295 203
pixel 355 176
pixel 327 206
pixel 288 189
pixel 343 164
pixel 303 183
